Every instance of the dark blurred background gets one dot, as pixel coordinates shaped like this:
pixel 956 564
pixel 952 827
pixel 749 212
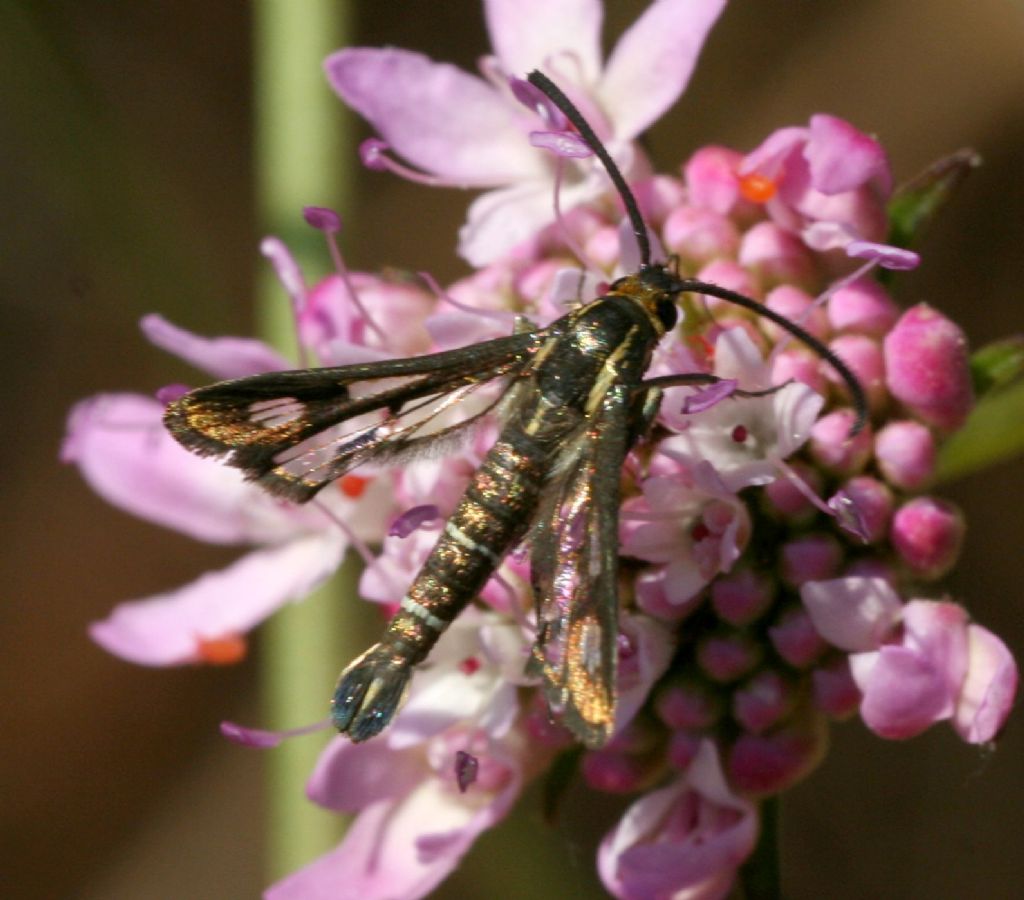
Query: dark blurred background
pixel 126 163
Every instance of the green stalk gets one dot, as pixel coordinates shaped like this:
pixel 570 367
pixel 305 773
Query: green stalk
pixel 303 157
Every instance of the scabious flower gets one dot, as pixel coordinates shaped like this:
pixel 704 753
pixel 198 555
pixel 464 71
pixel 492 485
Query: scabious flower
pixel 779 571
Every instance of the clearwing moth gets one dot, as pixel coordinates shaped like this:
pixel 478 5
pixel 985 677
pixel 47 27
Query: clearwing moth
pixel 574 404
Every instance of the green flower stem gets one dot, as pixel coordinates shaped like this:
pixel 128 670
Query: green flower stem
pixel 759 877
pixel 303 154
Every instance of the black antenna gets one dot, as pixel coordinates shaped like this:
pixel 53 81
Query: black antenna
pixel 544 84
pixel 554 93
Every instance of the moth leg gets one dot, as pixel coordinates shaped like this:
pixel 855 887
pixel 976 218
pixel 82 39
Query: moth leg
pixel 642 413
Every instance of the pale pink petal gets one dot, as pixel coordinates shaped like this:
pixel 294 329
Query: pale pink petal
pixel 903 695
pixel 402 848
pixel 988 691
pixel 526 34
pixel 681 841
pixel 167 629
pixel 645 650
pixel 842 158
pixel 223 357
pixel 120 445
pixel 653 61
pixel 349 777
pixel 769 157
pixel 796 410
pixel 854 614
pixel 438 117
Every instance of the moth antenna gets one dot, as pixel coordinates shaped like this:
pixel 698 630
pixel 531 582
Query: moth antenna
pixel 860 404
pixel 554 93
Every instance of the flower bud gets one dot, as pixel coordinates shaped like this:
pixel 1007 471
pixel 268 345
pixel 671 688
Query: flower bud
pixel 863 307
pixel 614 772
pixel 682 748
pixel 762 701
pixel 711 179
pixel 776 256
pixel 811 557
pixel 789 501
pixel 603 248
pixel 927 368
pixel 795 638
pixel 764 764
pixel 927 534
pixel 870 503
pixel 832 446
pixel 700 235
pixel 658 195
pixel 863 355
pixel 833 689
pixel 905 453
pixel 798 306
pixel 727 656
pixel 741 596
pixel 797 364
pixel 688 704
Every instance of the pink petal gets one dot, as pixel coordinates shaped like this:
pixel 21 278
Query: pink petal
pixel 436 116
pixel 123 451
pixel 903 695
pixel 769 157
pixel 349 777
pixel 527 34
pixel 224 357
pixel 652 62
pixel 989 689
pixel 842 158
pixel 854 614
pixel 682 841
pixel 166 629
pixel 401 848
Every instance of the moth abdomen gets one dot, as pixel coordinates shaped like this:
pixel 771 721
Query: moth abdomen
pixel 369 693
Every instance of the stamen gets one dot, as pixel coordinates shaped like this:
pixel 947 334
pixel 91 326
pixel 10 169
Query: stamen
pixel 740 434
pixel 757 188
pixel 290 276
pixel 467 767
pixel 171 392
pixel 352 485
pixel 414 519
pixel 500 315
pixel 264 740
pixel 373 153
pixel 355 541
pixel 329 222
pixel 222 651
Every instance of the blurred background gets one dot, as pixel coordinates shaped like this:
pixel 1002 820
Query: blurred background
pixel 126 184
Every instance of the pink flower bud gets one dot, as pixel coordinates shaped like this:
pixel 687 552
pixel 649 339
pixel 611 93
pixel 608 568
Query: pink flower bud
pixel 811 557
pixel 741 596
pixel 728 656
pixel 797 305
pixel 658 196
pixel 833 689
pixel 927 367
pixel 905 452
pixel 763 701
pixel 603 247
pixel 870 503
pixel 700 235
pixel 927 534
pixel 682 749
pixel 763 764
pixel 832 446
pixel 864 357
pixel 788 500
pixel 776 256
pixel 863 307
pixel 711 179
pixel 795 638
pixel 799 365
pixel 615 773
pixel 688 704
pixel 727 274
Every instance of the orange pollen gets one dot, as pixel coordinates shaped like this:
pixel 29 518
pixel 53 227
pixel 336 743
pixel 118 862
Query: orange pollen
pixel 353 485
pixel 222 651
pixel 757 188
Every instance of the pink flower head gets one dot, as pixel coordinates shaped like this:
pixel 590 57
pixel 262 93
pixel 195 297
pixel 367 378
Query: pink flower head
pixel 467 131
pixel 684 840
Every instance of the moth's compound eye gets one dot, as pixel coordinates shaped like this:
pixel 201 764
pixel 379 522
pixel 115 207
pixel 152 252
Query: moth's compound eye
pixel 668 312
